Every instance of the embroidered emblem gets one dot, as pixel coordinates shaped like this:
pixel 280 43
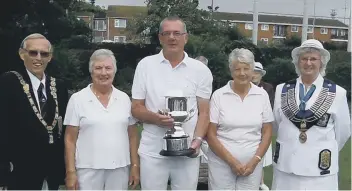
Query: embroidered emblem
pixel 25 87
pixel 324 161
pixel 323 121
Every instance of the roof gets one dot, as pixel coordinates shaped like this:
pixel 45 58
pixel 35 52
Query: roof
pixel 84 14
pixel 126 11
pixel 277 19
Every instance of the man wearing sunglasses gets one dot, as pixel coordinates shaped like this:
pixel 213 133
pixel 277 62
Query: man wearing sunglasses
pixel 31 133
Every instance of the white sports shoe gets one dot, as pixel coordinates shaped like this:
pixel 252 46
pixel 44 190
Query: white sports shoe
pixel 263 187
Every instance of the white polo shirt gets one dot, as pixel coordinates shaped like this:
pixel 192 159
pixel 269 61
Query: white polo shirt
pixel 239 122
pixel 154 78
pixel 103 141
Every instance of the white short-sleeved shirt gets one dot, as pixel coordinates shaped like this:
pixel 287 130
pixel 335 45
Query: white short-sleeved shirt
pixel 154 78
pixel 103 141
pixel 239 122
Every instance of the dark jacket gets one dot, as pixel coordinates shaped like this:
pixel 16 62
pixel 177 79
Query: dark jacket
pixel 270 90
pixel 24 140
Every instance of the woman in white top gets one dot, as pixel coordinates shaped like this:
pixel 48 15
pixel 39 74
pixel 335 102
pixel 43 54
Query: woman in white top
pixel 240 128
pixel 101 138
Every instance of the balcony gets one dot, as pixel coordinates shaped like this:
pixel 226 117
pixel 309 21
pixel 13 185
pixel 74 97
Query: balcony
pixel 339 37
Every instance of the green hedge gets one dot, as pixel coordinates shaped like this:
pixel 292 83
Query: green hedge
pixel 72 64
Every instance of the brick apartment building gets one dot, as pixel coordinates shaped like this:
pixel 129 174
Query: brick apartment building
pixel 112 25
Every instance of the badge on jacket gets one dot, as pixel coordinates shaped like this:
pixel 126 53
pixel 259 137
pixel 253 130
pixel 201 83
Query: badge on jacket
pixel 324 161
pixel 324 120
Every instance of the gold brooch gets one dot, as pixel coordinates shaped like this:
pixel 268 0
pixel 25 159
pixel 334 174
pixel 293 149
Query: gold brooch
pixel 26 88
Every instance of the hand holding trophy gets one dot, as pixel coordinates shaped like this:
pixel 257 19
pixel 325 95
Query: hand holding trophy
pixel 176 140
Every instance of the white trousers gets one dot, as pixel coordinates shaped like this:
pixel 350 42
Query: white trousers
pixel 221 177
pixel 286 181
pixel 182 171
pixel 103 179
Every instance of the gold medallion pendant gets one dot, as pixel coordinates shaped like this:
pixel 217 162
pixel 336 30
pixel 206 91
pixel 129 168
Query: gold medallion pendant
pixel 303 124
pixel 302 137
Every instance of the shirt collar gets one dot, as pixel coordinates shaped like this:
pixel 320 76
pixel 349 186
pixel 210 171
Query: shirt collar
pixel 162 59
pixel 35 81
pixel 114 94
pixel 317 82
pixel 254 90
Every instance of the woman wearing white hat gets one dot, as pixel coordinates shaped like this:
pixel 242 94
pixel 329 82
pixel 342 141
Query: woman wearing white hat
pixel 258 74
pixel 312 122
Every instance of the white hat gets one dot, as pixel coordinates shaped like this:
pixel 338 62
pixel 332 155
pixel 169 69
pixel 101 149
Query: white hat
pixel 312 43
pixel 259 67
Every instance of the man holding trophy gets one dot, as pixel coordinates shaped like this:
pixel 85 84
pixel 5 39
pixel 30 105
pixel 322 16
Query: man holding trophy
pixel 168 92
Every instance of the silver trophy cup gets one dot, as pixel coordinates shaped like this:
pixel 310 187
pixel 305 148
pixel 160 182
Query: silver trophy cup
pixel 176 140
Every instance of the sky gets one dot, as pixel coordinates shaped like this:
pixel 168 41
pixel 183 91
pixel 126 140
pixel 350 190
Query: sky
pixel 322 7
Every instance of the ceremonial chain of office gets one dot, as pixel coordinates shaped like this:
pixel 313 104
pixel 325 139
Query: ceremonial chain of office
pixel 49 128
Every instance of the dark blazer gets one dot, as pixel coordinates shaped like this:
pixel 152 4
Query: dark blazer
pixel 270 90
pixel 24 140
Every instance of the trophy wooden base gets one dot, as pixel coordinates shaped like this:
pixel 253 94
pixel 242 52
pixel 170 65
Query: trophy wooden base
pixel 186 152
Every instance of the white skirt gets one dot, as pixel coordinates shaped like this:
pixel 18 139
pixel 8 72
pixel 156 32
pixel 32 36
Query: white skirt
pixel 268 157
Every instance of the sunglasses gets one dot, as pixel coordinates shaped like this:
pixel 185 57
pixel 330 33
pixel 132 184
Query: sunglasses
pixel 34 53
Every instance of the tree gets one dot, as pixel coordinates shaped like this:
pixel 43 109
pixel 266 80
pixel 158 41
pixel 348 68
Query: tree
pixel 208 37
pixel 42 16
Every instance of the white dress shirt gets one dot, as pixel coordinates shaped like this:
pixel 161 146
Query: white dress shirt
pixel 35 85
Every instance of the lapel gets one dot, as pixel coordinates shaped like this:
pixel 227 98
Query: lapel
pixel 50 114
pixel 28 81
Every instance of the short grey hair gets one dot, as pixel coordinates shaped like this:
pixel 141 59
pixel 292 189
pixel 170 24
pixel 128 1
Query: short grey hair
pixel 203 59
pixel 102 54
pixel 241 55
pixel 172 18
pixel 305 50
pixel 34 36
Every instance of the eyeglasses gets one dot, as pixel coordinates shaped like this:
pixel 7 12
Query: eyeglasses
pixel 34 53
pixel 174 33
pixel 310 59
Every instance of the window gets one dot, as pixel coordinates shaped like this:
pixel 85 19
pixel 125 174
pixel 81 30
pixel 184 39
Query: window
pixel 248 26
pixel 323 31
pixel 120 23
pixel 343 32
pixel 120 39
pixel 265 27
pixel 279 31
pixel 99 25
pixel 232 24
pixel 294 28
pixel 310 29
pixel 264 40
pixel 98 39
